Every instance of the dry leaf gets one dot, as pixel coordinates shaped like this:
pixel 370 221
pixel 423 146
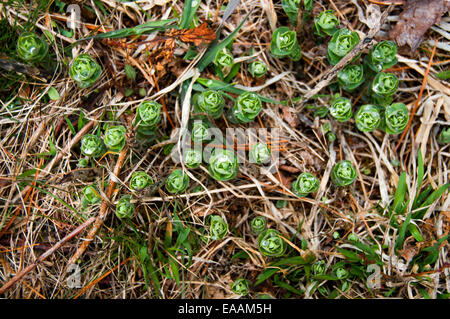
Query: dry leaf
pixel 290 118
pixel 198 35
pixel 417 17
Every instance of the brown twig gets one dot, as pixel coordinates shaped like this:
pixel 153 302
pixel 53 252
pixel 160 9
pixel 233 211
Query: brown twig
pixel 44 256
pixel 413 111
pixel 103 208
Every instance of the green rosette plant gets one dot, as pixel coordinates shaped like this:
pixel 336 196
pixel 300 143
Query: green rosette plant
pixel 140 180
pixel 285 44
pixel 290 7
pixel 124 207
pixel 177 182
pixel 270 244
pixel 383 87
pixel 85 70
pixel 343 173
pixel 351 77
pixel 341 43
pixel 31 47
pixel 246 107
pixel 260 153
pixel 224 58
pixel 444 136
pixel 114 138
pixel 240 287
pixel 340 273
pixel 218 227
pixel 318 268
pixel 258 224
pixel 326 23
pixel 341 108
pixel 368 118
pixel 210 102
pixel 92 146
pixel 257 68
pixel 223 164
pixel 200 131
pixel 90 195
pixel 148 115
pixel 192 158
pixel 305 184
pixel 381 56
pixel 395 119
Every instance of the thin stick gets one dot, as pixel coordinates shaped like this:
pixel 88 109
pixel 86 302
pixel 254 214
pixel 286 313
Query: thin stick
pixel 44 256
pixel 103 208
pixel 413 112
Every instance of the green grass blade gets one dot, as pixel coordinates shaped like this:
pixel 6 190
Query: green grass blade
pixel 400 194
pixel 189 11
pixel 148 27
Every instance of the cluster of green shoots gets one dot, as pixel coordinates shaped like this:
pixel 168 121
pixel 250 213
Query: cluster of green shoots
pixel 368 79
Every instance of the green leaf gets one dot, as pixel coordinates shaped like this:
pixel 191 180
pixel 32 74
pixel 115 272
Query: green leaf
pixel 53 94
pixel 297 260
pixel 146 28
pixel 189 11
pixel 266 274
pixel 130 72
pixel 400 194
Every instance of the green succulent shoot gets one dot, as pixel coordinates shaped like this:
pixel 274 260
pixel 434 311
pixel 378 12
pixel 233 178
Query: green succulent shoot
pixel 343 173
pixel 285 44
pixel 444 136
pixel 257 68
pixel 192 158
pixel 340 273
pixel 177 182
pixel 341 108
pixel 384 86
pixel 319 267
pixel 368 118
pixel 305 184
pixel 140 180
pixel 240 287
pixel 224 58
pixel 246 107
pixel 84 70
pixel 382 56
pixel 326 23
pixel 31 47
pixel 260 153
pixel 223 164
pixel 258 224
pixel 124 207
pixel 218 227
pixel 200 131
pixel 271 244
pixel 210 102
pixel 114 138
pixel 90 195
pixel 351 77
pixel 395 119
pixel 148 115
pixel 342 42
pixel 290 7
pixel 92 146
